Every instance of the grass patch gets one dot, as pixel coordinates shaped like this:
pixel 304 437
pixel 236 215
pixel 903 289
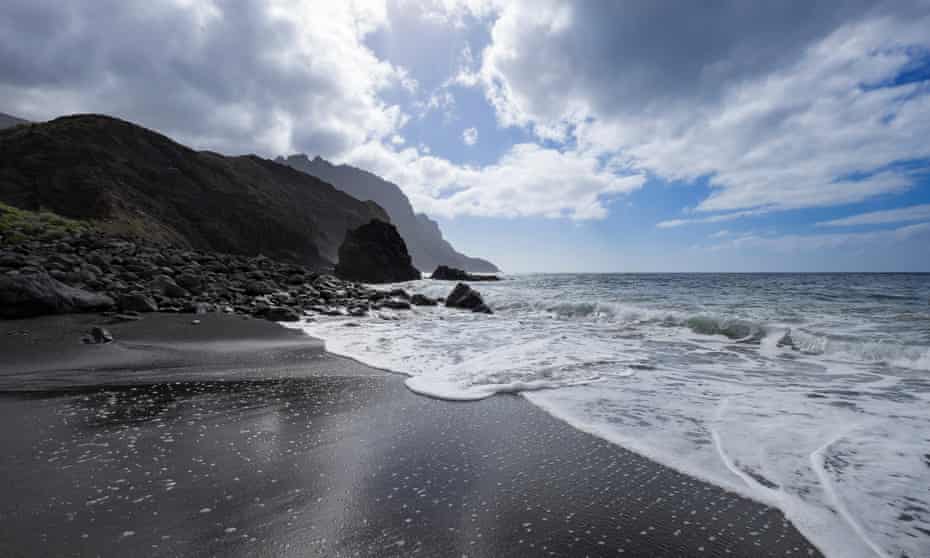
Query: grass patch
pixel 20 225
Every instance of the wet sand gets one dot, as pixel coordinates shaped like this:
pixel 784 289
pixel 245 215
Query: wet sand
pixel 241 438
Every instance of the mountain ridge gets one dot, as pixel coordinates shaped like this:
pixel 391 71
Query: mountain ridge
pixel 423 236
pixel 138 181
pixel 8 121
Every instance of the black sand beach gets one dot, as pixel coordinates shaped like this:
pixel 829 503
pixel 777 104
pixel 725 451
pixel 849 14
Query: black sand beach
pixel 237 437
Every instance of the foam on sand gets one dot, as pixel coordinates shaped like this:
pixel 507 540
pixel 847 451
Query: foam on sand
pixel 831 428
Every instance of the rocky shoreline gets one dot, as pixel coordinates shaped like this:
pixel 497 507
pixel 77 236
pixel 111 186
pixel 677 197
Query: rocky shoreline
pixel 93 271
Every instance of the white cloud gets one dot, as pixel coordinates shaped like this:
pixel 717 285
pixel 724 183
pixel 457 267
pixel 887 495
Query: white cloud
pixel 528 180
pixel 797 243
pixel 712 219
pixel 781 106
pixel 470 136
pixel 902 215
pixel 250 76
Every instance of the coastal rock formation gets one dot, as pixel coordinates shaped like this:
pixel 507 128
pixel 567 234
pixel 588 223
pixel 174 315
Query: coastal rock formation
pixel 49 264
pixel 445 273
pixel 422 300
pixel 134 181
pixel 137 302
pixel 463 296
pixel 36 293
pixel 375 253
pixel 424 240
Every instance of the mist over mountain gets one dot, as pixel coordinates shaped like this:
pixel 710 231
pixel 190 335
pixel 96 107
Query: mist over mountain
pixel 140 182
pixel 8 121
pixel 423 237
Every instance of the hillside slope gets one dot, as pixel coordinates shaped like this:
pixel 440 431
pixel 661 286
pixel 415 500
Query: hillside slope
pixel 424 239
pixel 140 182
pixel 7 121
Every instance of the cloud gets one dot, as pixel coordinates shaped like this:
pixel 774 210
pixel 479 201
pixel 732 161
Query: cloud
pixel 528 180
pixel 795 243
pixel 902 215
pixel 781 105
pixel 245 76
pixel 470 136
pixel 712 219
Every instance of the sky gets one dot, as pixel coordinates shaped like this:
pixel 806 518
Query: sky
pixel 543 135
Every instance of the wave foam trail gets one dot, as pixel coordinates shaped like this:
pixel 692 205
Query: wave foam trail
pixel 725 378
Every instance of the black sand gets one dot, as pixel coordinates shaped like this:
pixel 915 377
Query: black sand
pixel 239 438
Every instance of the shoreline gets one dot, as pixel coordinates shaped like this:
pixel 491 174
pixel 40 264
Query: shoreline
pixel 296 451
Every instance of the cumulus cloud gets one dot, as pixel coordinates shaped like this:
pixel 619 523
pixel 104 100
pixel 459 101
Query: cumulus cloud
pixel 902 215
pixel 470 136
pixel 244 76
pixel 782 105
pixel 528 180
pixel 274 77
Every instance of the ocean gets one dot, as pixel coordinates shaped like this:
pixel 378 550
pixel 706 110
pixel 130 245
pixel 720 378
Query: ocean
pixel 807 392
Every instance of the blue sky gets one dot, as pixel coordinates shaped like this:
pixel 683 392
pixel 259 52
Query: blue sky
pixel 543 135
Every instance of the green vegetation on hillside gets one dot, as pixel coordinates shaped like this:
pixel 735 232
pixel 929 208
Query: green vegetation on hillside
pixel 19 225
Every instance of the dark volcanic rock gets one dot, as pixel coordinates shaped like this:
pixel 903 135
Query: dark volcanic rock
pixel 281 314
pixel 375 253
pixel 166 286
pixel 99 335
pixel 463 296
pixel 137 302
pixel 395 304
pixel 259 288
pixel 424 240
pixel 145 275
pixel 445 273
pixel 422 300
pixel 37 294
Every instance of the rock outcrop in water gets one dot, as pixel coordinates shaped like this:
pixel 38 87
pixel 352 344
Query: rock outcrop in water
pixel 375 253
pixel 445 273
pixel 463 296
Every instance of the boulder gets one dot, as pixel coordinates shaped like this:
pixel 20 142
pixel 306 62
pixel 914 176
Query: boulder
pixel 37 294
pixel 165 286
pixel 375 253
pixel 422 300
pixel 281 314
pixel 394 304
pixel 190 281
pixel 98 336
pixel 463 296
pixel 137 302
pixel 445 273
pixel 258 288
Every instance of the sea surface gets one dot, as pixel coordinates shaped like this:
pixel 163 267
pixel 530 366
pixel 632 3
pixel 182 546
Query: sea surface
pixel 808 392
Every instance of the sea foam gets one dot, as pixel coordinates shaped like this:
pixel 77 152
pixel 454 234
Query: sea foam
pixel 689 371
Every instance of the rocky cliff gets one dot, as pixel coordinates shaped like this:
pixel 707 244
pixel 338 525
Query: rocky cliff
pixel 424 239
pixel 135 181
